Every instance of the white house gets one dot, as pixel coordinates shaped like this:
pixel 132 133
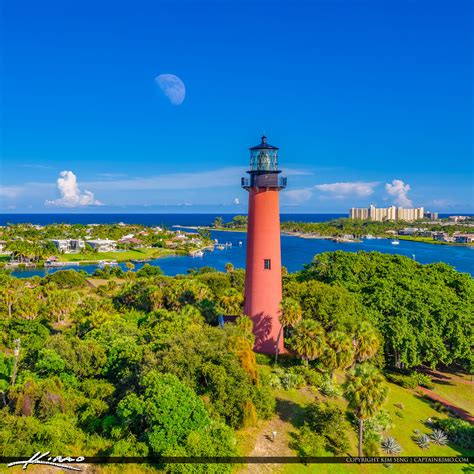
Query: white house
pixel 103 245
pixel 69 245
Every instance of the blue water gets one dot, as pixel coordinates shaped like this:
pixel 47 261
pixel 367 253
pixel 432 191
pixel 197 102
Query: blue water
pixel 145 219
pixel 296 252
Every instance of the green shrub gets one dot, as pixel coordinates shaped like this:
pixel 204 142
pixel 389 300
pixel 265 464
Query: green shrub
pixel 287 379
pixel 459 431
pixel 308 443
pixel 382 421
pixel 264 402
pixel 68 278
pixel 404 381
pixel 291 380
pixel 422 379
pixel 311 376
pixel 371 447
pixel 329 388
pixel 263 359
pixel 329 421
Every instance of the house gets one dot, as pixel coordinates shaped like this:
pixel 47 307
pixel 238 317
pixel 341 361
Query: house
pixel 409 231
pixel 458 218
pixel 464 238
pixel 69 245
pixel 132 241
pixel 61 244
pixel 442 237
pixel 103 245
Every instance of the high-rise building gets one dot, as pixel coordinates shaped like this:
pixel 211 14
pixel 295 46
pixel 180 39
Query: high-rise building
pixel 391 213
pixel 263 286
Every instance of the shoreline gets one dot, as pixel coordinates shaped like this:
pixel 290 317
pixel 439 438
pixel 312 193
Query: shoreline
pixel 162 253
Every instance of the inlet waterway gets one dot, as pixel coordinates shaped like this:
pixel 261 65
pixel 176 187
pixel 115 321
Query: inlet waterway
pixel 296 252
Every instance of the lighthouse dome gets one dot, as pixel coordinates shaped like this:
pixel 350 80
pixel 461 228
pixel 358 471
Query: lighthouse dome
pixel 264 145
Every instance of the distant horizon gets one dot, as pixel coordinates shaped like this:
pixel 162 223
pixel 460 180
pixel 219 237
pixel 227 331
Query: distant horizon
pixel 193 213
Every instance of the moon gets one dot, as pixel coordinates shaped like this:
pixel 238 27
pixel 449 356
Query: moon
pixel 172 87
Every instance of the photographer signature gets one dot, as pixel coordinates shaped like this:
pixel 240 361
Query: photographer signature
pixel 57 461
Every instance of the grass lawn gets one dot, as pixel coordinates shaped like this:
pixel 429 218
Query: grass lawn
pixel 428 240
pixel 405 420
pixel 415 412
pixel 137 254
pixel 459 394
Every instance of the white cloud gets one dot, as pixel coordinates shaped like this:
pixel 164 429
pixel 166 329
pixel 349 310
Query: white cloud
pixel 10 192
pixel 297 196
pixel 236 201
pixel 358 188
pixel 399 190
pixel 35 166
pixel 335 190
pixel 71 195
pixel 295 172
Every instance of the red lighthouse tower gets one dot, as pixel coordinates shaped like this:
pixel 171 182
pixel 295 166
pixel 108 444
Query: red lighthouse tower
pixel 263 290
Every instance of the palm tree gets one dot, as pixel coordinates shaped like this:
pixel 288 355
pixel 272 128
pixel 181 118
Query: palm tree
pixel 308 340
pixel 290 315
pixel 339 353
pixel 365 390
pixel 231 302
pixel 366 342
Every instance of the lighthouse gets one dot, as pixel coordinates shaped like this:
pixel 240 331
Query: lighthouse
pixel 263 289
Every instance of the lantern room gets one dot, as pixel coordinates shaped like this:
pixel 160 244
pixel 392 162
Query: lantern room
pixel 264 157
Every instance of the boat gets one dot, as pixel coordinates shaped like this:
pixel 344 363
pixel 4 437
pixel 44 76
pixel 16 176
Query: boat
pixel 220 246
pixel 240 243
pixel 395 242
pixel 198 253
pixel 369 237
pixel 228 244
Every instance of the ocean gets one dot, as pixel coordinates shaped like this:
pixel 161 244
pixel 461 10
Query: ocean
pixel 145 219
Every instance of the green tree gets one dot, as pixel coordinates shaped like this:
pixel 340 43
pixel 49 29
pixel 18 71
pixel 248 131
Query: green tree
pixel 339 353
pixel 366 342
pixel 11 293
pixel 290 315
pixel 29 304
pixel 366 391
pixel 307 340
pixel 218 222
pixel 61 303
pixel 231 302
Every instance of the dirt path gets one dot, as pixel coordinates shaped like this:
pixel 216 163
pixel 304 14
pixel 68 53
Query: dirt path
pixel 452 408
pixel 287 417
pixel 444 376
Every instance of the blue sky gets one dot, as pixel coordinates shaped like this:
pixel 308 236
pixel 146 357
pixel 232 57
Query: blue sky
pixel 369 101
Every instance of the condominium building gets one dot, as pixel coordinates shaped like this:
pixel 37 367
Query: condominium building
pixel 391 213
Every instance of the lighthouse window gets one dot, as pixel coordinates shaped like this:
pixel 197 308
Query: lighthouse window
pixel 267 264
